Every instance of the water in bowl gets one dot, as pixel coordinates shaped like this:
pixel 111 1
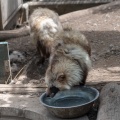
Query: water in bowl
pixel 70 101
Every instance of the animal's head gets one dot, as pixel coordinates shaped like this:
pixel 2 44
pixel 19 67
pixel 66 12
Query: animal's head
pixel 17 56
pixel 63 73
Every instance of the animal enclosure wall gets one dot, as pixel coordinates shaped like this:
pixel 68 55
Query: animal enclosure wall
pixel 8 9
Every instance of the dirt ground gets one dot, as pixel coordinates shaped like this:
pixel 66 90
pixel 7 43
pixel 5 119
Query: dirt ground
pixel 102 28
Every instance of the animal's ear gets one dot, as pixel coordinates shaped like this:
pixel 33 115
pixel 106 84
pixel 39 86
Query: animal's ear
pixel 61 77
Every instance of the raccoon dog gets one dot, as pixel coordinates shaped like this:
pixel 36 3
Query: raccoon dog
pixel 69 62
pixel 45 24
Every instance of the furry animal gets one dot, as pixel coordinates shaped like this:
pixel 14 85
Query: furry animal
pixel 69 62
pixel 14 67
pixel 16 56
pixel 45 24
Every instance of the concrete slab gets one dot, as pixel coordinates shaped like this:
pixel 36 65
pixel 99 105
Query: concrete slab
pixel 26 107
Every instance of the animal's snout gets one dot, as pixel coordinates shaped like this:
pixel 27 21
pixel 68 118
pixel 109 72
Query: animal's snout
pixel 50 92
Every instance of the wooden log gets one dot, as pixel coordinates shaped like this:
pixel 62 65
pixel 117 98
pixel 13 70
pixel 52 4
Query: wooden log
pixel 100 84
pixel 109 108
pixel 8 34
pixel 22 86
pixel 21 89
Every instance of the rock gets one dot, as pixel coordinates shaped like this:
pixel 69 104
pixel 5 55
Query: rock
pixel 109 108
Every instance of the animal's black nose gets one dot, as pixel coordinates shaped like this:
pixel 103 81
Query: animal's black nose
pixel 54 89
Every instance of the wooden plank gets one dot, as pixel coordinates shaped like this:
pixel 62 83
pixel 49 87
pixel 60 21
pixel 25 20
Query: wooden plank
pixel 8 34
pixel 63 2
pixel 43 85
pixel 102 82
pixel 22 86
pixel 64 6
pixel 99 85
pixel 21 90
pixel 39 88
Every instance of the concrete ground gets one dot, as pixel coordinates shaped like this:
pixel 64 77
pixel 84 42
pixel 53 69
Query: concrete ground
pixel 25 107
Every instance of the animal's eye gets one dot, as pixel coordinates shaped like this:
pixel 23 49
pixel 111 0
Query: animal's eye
pixel 61 78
